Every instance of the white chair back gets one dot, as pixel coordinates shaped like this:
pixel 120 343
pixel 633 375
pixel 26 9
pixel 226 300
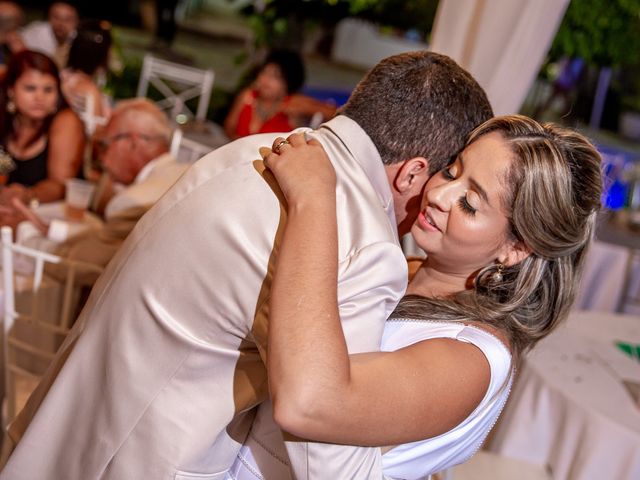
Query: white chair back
pixel 178 84
pixel 186 150
pixel 43 324
pixel 86 109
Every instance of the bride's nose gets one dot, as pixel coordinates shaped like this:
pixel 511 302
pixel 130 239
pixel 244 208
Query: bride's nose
pixel 443 196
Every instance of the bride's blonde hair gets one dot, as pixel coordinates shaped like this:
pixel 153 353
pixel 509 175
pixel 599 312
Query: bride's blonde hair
pixel 552 196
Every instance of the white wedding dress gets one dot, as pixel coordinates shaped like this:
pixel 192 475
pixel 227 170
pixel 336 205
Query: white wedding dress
pixel 416 460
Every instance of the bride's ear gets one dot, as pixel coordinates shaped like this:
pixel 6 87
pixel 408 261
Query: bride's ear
pixel 411 173
pixel 514 253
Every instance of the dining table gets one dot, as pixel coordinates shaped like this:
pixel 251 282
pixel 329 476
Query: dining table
pixel 575 406
pixel 611 276
pixel 28 235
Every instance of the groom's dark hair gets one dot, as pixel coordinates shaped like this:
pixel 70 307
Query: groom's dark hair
pixel 418 104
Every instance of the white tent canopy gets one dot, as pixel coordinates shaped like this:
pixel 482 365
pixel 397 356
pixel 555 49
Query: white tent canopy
pixel 502 43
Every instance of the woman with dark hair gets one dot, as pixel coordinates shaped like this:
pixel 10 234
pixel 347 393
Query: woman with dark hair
pixel 42 140
pixel 86 69
pixel 271 104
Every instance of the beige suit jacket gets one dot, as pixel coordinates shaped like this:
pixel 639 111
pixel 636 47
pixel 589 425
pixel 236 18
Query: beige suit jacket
pixel 155 379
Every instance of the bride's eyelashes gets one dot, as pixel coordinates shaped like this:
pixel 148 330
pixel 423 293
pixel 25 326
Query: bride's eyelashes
pixel 466 207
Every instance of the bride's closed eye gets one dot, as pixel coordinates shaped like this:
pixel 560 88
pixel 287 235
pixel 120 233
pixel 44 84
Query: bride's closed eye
pixel 465 206
pixel 449 173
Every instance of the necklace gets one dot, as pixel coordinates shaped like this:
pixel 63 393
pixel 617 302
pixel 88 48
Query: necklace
pixel 265 113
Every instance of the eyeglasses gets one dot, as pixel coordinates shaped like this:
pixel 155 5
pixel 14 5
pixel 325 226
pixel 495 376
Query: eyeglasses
pixel 129 137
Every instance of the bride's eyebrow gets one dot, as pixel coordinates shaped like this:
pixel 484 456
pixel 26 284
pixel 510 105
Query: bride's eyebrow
pixel 476 186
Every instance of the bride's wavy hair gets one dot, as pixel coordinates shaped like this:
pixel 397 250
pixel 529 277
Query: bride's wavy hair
pixel 552 196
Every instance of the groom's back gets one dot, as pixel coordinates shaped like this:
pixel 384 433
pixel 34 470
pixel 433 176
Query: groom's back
pixel 164 352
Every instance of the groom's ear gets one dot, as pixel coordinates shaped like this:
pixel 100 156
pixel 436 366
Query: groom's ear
pixel 411 175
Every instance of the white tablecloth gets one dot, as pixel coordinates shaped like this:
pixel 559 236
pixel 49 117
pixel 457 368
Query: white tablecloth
pixel 27 234
pixel 603 278
pixel 569 408
pixel 610 268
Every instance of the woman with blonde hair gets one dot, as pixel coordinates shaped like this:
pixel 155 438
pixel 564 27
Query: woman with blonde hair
pixel 505 227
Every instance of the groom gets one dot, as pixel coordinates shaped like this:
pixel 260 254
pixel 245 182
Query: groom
pixel 159 376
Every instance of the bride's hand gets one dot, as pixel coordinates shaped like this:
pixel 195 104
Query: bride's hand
pixel 302 168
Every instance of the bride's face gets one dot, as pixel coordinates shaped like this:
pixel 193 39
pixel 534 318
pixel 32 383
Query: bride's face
pixel 462 225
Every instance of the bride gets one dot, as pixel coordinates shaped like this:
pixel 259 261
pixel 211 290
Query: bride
pixel 505 227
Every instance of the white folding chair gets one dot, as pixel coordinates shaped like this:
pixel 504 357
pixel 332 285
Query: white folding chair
pixel 178 83
pixel 85 108
pixel 32 333
pixel 186 150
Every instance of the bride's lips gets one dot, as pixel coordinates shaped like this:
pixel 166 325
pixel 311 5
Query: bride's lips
pixel 427 222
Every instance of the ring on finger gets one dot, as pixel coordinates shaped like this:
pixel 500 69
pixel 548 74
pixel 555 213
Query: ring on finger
pixel 280 144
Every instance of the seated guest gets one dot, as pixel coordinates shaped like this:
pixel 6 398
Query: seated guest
pixel 137 160
pixel 87 64
pixel 53 37
pixel 136 156
pixel 11 17
pixel 271 104
pixel 42 140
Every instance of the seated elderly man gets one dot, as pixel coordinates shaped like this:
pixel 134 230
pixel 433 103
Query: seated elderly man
pixel 135 156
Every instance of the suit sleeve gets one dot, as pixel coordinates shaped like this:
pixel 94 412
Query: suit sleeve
pixel 370 285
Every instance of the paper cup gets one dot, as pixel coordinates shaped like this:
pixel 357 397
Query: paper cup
pixel 77 198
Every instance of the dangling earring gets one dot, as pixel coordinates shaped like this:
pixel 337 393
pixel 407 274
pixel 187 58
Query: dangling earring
pixel 11 107
pixel 497 277
pixel 7 164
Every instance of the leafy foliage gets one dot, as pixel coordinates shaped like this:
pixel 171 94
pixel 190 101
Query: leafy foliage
pixel 602 32
pixel 282 22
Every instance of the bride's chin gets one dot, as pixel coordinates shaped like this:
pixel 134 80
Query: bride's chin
pixel 419 239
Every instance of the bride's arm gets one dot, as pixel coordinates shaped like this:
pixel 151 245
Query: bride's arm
pixel 320 392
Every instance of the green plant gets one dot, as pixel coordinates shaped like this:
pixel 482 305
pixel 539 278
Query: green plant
pixel 283 22
pixel 605 33
pixel 401 14
pixel 123 84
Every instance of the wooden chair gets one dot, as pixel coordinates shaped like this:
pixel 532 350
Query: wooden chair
pixel 38 314
pixel 178 84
